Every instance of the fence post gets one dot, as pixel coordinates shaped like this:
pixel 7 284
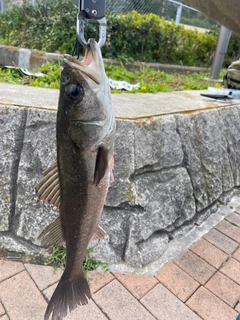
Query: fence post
pixel 221 50
pixel 2 6
pixel 179 13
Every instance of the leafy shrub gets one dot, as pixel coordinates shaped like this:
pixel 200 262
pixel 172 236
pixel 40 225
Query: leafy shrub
pixel 49 28
pixel 233 49
pixel 130 36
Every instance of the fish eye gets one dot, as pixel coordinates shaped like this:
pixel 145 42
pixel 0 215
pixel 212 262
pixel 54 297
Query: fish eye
pixel 75 92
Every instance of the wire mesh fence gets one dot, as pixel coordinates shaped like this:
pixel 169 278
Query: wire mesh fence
pixel 167 9
pixel 162 8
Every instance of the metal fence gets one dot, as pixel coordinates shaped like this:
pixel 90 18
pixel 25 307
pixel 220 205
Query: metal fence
pixel 163 8
pixel 168 9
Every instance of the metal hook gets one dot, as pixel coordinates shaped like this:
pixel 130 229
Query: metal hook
pixel 80 30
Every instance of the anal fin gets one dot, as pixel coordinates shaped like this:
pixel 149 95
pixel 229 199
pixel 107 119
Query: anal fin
pixel 53 234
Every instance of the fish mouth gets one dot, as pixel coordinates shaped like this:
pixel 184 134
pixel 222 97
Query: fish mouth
pixel 91 67
pixel 98 123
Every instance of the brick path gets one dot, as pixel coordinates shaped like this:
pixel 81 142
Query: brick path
pixel 202 283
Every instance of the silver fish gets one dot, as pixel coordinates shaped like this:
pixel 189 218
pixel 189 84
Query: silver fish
pixel 78 182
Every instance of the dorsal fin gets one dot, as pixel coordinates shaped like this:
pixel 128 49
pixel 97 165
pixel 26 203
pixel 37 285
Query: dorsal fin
pixel 48 188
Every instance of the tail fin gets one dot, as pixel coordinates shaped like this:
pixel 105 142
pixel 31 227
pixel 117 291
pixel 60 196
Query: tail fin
pixel 68 295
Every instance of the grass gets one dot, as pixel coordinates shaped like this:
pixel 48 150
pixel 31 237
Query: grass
pixel 149 79
pixel 57 259
pixel 51 78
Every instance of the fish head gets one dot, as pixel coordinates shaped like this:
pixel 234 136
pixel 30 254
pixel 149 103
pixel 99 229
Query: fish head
pixel 85 110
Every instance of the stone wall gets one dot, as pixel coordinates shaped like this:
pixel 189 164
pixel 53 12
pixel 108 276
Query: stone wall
pixel 172 170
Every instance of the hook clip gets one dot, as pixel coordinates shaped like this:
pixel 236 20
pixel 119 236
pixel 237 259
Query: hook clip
pixel 81 17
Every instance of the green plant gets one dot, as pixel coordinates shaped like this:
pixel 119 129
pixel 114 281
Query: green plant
pixel 91 263
pixel 130 37
pixel 57 259
pixel 149 79
pixel 49 27
pixel 51 78
pixel 11 76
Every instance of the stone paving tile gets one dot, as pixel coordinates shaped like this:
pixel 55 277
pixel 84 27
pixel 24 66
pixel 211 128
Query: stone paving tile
pixel 209 253
pixel 9 268
pixel 237 307
pixel 232 270
pixel 209 307
pixel 99 279
pixel 49 291
pixel 224 288
pixel 234 218
pixel 236 254
pixel 229 230
pixel 21 298
pixel 118 304
pixel 197 268
pixel 138 285
pixel 165 306
pixel 5 317
pixel 43 276
pixel 2 310
pixel 221 241
pixel 237 210
pixel 177 281
pixel 89 312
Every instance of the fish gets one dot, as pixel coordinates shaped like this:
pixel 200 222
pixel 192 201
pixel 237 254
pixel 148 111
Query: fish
pixel 77 183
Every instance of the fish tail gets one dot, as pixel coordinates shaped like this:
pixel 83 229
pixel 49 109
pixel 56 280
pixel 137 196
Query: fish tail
pixel 67 296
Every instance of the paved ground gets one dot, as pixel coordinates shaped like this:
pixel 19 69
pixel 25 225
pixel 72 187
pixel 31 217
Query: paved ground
pixel 202 283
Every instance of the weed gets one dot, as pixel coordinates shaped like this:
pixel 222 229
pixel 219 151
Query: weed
pixel 57 259
pixel 91 263
pixel 149 79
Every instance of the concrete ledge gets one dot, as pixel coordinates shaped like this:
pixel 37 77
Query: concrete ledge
pixel 33 59
pixel 26 58
pixel 177 158
pixel 127 106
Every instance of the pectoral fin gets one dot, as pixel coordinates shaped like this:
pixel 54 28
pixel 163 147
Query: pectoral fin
pixel 111 165
pixel 104 162
pixel 48 188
